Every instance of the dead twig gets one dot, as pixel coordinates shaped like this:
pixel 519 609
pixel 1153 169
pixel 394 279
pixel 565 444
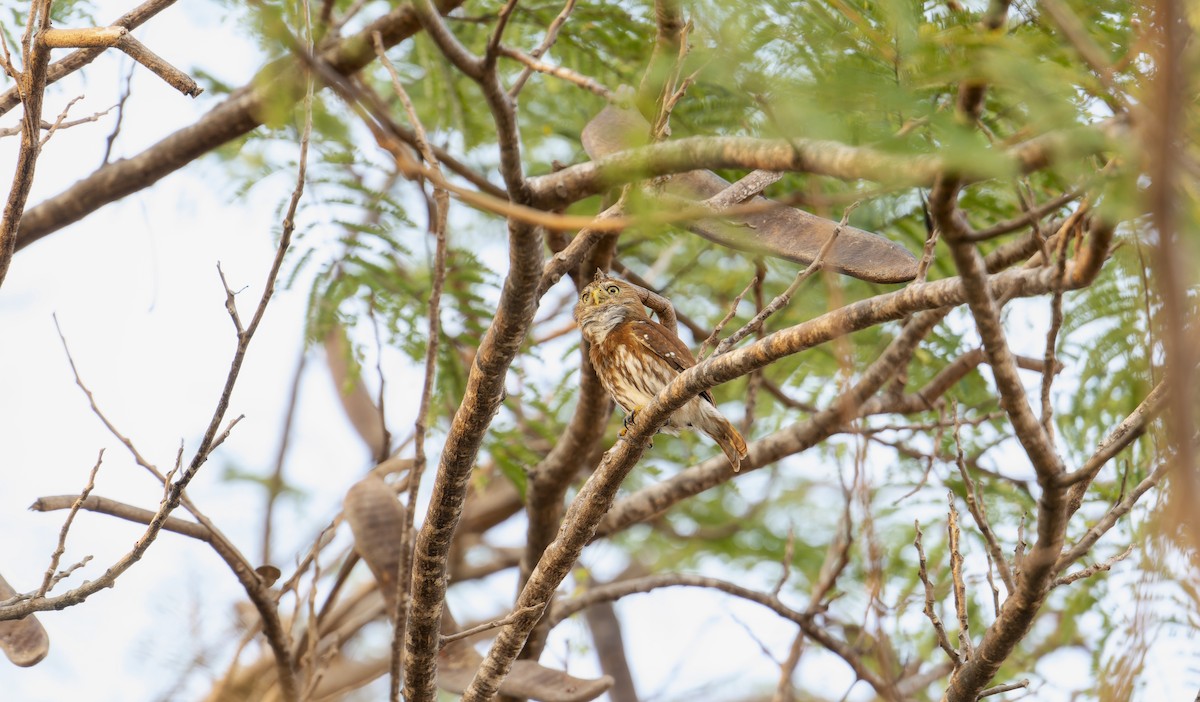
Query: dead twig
pixel 51 576
pixel 931 600
pixel 785 297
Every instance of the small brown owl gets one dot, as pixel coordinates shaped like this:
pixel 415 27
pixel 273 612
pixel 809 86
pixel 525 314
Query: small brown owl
pixel 636 357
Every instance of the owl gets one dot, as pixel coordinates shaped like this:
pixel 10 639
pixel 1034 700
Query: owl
pixel 636 357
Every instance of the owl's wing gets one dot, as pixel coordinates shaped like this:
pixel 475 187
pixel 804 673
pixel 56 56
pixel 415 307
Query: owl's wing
pixel 667 346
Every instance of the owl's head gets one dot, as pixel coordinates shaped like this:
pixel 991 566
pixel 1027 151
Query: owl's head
pixel 605 303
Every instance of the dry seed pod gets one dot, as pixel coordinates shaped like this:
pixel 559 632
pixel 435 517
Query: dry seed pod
pixel 376 519
pixel 782 232
pixel 24 640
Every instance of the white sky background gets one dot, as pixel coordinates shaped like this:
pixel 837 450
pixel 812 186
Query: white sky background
pixel 136 291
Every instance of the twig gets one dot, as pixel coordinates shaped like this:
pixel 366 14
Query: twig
pixel 733 307
pixel 1100 567
pixel 547 42
pixel 119 37
pixel 126 91
pixel 837 556
pixel 991 581
pixel 54 127
pixel 1121 436
pixel 1056 316
pixel 573 77
pixel 1028 217
pixel 1109 520
pixel 381 393
pixel 493 45
pixel 787 669
pixel 931 239
pixel 956 576
pixel 808 623
pixel 51 571
pixel 930 600
pixel 939 432
pixel 275 483
pixel 66 124
pixel 479 629
pixel 1003 688
pixel 978 512
pixel 788 548
pixel 786 296
pixel 751 184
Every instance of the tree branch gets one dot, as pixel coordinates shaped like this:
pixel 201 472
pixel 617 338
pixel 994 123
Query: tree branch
pixel 239 114
pixel 807 622
pixel 819 157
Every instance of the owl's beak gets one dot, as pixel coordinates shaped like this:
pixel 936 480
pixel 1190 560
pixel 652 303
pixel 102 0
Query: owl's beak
pixel 596 295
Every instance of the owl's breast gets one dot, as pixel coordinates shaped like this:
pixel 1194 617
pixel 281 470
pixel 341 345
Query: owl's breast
pixel 630 372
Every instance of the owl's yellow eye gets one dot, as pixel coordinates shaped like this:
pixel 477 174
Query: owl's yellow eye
pixel 613 290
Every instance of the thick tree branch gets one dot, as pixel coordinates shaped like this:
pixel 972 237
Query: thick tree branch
pixel 819 157
pixel 31 84
pixel 484 393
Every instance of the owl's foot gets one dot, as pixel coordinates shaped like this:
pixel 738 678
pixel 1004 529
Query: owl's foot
pixel 629 419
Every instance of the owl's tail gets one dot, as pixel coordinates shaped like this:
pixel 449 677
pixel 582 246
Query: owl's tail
pixel 727 437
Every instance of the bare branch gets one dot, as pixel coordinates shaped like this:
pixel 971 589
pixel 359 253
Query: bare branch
pixel 1109 520
pixel 78 59
pixel 479 629
pixel 437 227
pixel 173 76
pixel 733 307
pixel 31 86
pixel 573 77
pixel 930 600
pixel 547 42
pixel 103 505
pixel 785 297
pixel 239 114
pixel 1100 567
pixel 978 512
pixel 52 569
pixel 1024 684
pixel 956 578
pixel 1117 440
pixel 808 623
pixel 753 183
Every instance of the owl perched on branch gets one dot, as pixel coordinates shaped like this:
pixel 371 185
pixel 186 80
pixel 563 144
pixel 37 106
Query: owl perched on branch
pixel 636 357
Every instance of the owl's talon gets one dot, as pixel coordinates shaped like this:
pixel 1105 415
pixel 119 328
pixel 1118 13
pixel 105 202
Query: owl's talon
pixel 627 420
